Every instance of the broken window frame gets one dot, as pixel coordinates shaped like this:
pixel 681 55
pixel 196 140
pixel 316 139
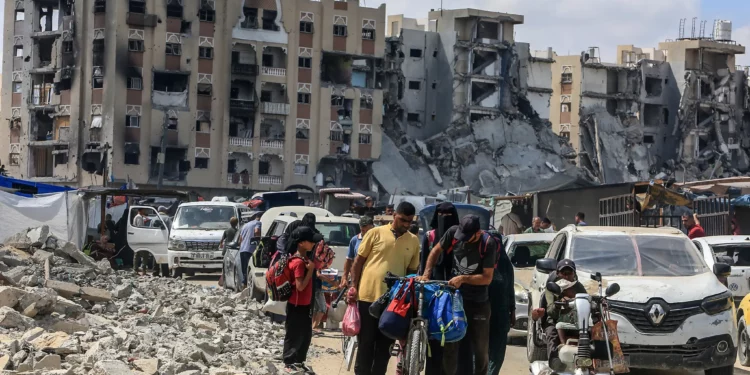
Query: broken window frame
pixel 300 169
pixel 100 6
pixel 304 62
pixel 368 34
pixel 251 18
pixel 128 158
pixel 565 107
pixel 173 49
pixel 172 124
pixel 201 163
pixel 337 101
pixel 337 135
pixel 207 15
pixel 206 53
pixel 566 78
pixel 132 121
pixel 565 134
pixel 365 103
pixel 415 53
pixel 417 85
pixel 18 51
pixel 304 98
pixel 21 13
pixel 136 45
pixel 67 47
pixel 269 23
pixel 137 6
pixel 135 83
pixel 175 9
pixel 306 27
pixel 412 117
pixel 340 30
pixel 14 159
pixel 17 87
pixel 302 133
pixel 202 126
pixel 205 89
pixel 365 138
pixel 97 83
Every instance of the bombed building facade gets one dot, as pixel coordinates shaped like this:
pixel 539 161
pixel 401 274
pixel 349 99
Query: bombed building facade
pixel 228 94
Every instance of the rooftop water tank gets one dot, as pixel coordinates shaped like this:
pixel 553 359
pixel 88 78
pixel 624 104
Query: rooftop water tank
pixel 723 30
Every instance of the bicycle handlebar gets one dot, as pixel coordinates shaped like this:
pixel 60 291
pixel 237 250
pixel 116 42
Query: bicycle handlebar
pixel 438 282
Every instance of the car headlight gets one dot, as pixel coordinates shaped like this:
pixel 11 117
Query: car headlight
pixel 177 245
pixel 718 303
pixel 522 297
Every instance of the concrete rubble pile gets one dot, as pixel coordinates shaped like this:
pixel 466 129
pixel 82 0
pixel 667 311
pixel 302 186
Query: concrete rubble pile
pixel 63 313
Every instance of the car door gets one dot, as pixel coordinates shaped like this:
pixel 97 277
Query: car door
pixel 152 239
pixel 539 279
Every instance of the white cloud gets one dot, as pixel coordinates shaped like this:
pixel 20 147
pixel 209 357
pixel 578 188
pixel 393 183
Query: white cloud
pixel 571 26
pixel 742 36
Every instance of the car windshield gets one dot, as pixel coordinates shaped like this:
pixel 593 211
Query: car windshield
pixel 203 217
pixel 525 254
pixel 740 255
pixel 337 234
pixel 644 255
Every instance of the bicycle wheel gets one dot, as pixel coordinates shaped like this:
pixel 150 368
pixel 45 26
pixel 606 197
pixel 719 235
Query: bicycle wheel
pixel 416 351
pixel 350 352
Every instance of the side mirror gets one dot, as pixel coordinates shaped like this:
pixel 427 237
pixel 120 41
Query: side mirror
pixel 554 288
pixel 546 265
pixel 612 289
pixel 233 245
pixel 722 269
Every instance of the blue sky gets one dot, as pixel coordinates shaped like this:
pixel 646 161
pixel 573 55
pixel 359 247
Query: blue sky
pixel 570 26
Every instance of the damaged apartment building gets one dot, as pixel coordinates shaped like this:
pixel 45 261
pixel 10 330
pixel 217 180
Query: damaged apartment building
pixel 467 105
pixel 116 88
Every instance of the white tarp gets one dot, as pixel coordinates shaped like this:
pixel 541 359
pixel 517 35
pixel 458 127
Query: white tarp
pixel 64 213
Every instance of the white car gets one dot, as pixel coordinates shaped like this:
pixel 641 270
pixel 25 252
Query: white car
pixel 523 251
pixel 732 250
pixel 336 230
pixel 672 311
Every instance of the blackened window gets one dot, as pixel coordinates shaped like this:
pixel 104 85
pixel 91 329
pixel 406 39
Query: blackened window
pixel 305 27
pixel 339 30
pixel 174 49
pixel 415 52
pixel 303 98
pixel 206 52
pixel 201 163
pixel 305 62
pixel 174 9
pixel 136 6
pixel 207 15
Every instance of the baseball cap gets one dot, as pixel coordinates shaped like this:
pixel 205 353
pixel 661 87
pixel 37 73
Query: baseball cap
pixel 467 227
pixel 365 221
pixel 566 263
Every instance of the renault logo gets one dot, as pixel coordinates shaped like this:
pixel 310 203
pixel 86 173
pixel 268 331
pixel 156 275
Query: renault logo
pixel 656 314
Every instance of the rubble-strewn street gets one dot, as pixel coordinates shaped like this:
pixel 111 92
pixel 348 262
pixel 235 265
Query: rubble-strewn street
pixel 87 318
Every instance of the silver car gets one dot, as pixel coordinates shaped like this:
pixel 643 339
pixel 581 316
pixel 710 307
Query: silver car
pixel 523 251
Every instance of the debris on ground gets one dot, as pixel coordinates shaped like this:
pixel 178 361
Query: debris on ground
pixel 90 319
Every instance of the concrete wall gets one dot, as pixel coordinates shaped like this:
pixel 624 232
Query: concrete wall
pixel 594 80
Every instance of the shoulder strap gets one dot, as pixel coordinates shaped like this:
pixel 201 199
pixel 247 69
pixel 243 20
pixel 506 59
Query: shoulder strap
pixel 453 244
pixel 431 236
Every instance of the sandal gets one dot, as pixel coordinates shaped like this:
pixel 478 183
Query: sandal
pixel 291 369
pixel 303 367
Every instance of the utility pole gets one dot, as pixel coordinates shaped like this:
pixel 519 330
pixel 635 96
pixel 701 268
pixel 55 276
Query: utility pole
pixel 160 159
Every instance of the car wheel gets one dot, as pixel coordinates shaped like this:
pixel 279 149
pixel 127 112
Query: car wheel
pixel 743 343
pixel 176 273
pixel 727 370
pixel 254 293
pixel 533 352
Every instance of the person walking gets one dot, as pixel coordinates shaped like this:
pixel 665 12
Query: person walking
pixel 472 274
pixel 298 322
pixel 387 248
pixel 365 224
pixel 247 245
pixel 229 234
pixel 502 295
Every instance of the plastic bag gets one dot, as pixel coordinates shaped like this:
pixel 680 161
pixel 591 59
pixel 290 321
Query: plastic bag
pixel 275 307
pixel 351 323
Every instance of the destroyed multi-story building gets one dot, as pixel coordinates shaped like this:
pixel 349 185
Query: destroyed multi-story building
pixel 212 95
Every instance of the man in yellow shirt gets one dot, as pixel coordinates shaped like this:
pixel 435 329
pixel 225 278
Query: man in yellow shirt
pixel 388 248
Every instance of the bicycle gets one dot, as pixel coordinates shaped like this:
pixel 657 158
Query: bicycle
pixel 348 344
pixel 413 362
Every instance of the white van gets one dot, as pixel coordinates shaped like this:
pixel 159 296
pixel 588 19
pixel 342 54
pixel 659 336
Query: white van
pixel 192 244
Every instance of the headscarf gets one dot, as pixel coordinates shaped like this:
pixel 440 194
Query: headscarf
pixel 283 243
pixel 309 221
pixel 441 224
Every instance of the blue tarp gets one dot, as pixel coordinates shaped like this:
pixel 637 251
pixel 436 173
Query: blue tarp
pixel 30 188
pixel 742 201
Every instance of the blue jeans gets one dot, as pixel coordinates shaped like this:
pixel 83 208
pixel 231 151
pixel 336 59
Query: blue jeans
pixel 244 261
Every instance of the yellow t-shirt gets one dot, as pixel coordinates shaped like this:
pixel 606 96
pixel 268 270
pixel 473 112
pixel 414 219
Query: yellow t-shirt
pixel 385 253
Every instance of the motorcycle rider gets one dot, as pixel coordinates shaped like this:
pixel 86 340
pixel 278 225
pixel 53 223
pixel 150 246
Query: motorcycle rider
pixel 549 313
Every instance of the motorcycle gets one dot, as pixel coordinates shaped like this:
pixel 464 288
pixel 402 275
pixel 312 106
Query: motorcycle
pixel 583 355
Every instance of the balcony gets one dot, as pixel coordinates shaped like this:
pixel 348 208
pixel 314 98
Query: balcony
pixel 242 104
pixel 269 180
pixel 239 141
pixel 276 72
pixel 246 69
pixel 239 178
pixel 275 108
pixel 272 143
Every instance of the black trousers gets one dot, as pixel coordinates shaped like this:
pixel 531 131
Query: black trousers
pixel 553 341
pixel 373 348
pixel 298 335
pixel 434 365
pixel 476 341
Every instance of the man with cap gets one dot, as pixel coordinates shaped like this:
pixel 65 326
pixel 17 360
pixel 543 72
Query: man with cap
pixel 472 273
pixel 365 224
pixel 549 314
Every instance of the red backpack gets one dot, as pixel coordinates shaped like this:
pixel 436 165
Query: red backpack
pixel 280 278
pixel 482 245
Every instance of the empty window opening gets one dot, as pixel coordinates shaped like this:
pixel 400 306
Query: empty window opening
pixel 176 164
pixel 269 20
pixel 415 52
pixel 303 134
pixel 265 96
pixel 20 15
pixel 170 82
pixel 611 106
pixel 565 134
pixel 365 139
pixel 412 117
pixel 97 83
pixel 98 49
pixel 172 124
pixel 434 85
pixel 665 116
pixel 16 87
pixel 251 18
pixel 174 9
pixel 240 127
pixel 202 126
pixel 186 27
pixel 100 6
pixel 488 30
pixel 136 45
pixel 232 166
pixel 305 62
pixel 132 121
pixel 434 53
pixel 205 89
pixel 567 78
pixel 303 98
pixel 201 163
pixel 131 157
pixel 49 17
pixel 206 52
pixel 365 102
pixel 414 85
pixel 653 86
pixel 174 49
pixel 264 167
pixel 565 107
pixel 339 30
pixel 44 48
pixel 267 60
pixel 207 15
pixel 137 6
pixel 42 128
pixel 67 47
pixel 305 27
pixel 300 169
pixel 368 34
pixel 648 139
pixel 652 115
pixel 18 51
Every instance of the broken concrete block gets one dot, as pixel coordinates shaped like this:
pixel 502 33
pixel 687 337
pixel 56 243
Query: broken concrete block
pixel 67 290
pixel 40 256
pixel 202 324
pixel 19 241
pixel 4 361
pixel 147 366
pixel 65 325
pixel 57 342
pixel 32 334
pixel 23 367
pixel 71 250
pixel 42 299
pixel 30 311
pixel 14 257
pixel 38 236
pixel 95 294
pixel 19 357
pixel 49 362
pixel 10 318
pixel 110 368
pixel 10 296
pixel 123 291
pixel 69 308
pixel 15 274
